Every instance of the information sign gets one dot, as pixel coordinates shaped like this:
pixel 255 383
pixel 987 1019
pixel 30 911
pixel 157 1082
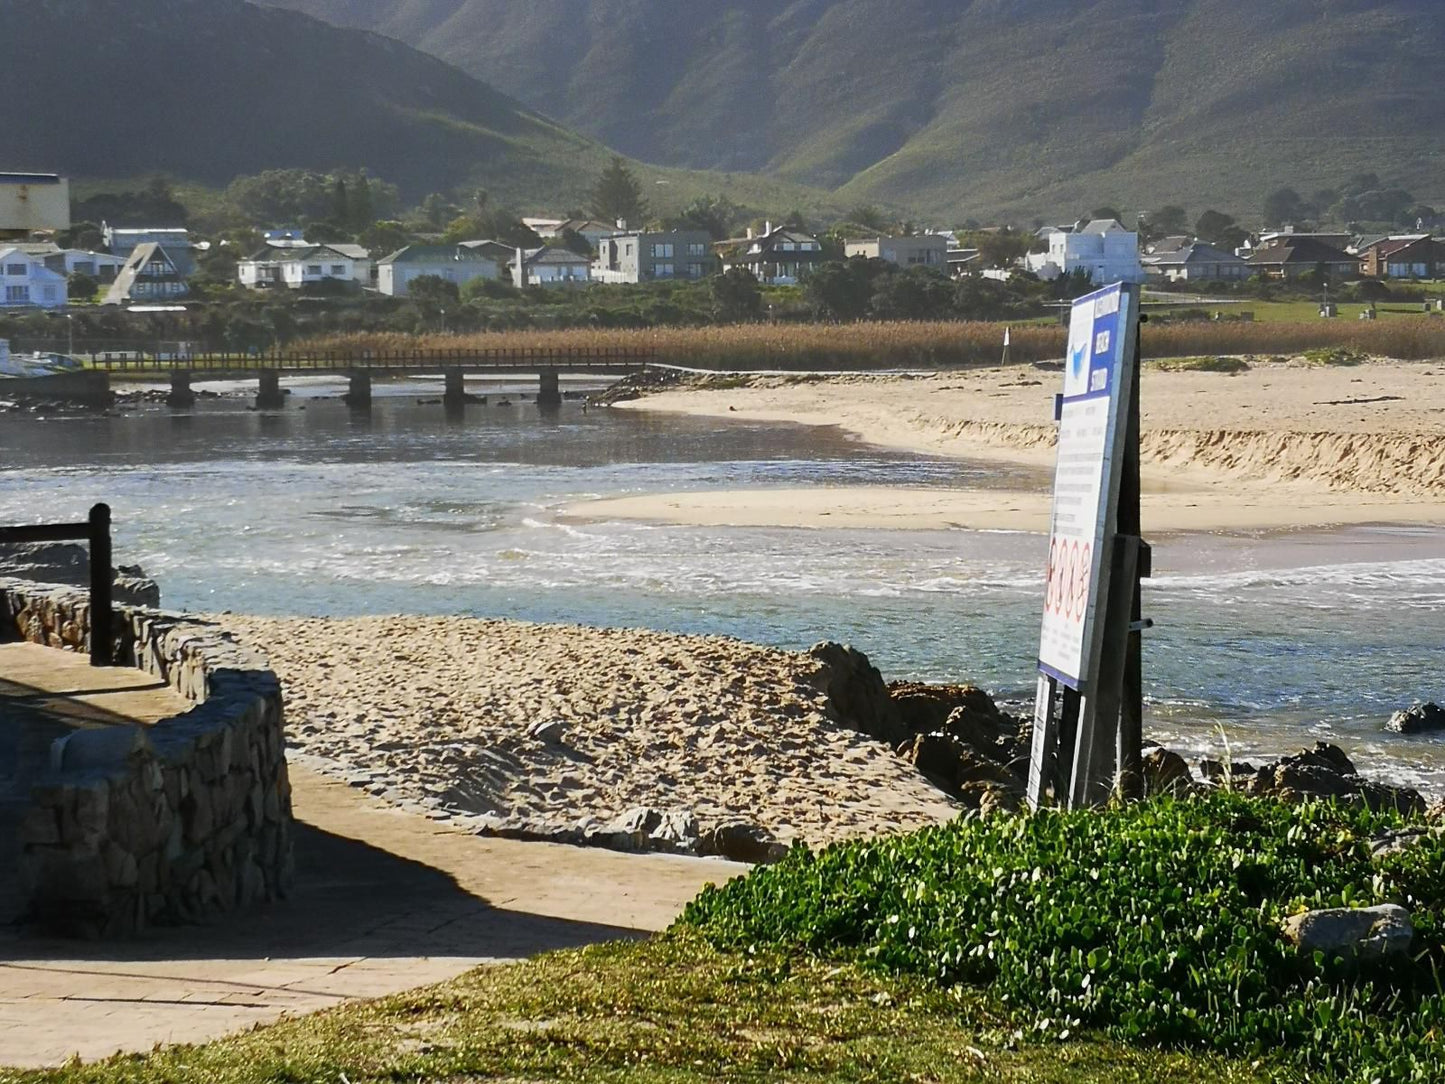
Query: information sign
pixel 1086 480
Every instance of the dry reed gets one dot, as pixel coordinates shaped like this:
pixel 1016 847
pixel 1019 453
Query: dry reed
pixel 920 345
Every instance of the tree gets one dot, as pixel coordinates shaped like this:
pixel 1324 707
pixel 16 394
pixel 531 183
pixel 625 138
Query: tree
pixel 80 286
pixel 715 214
pixel 340 204
pixel 1001 248
pixel 1220 229
pixel 1167 221
pixel 437 210
pixel 736 296
pixel 1283 207
pixel 361 203
pixel 1105 213
pixel 869 217
pixel 574 242
pixel 384 238
pixel 618 194
pixel 917 293
pixel 842 289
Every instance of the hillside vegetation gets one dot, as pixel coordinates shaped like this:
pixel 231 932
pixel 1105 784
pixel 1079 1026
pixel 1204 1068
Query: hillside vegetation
pixel 206 90
pixel 973 107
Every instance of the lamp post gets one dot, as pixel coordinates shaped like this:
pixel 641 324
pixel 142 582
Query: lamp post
pixel 70 337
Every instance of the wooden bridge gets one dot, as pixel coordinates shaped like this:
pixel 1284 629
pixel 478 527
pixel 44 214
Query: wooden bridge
pixel 359 367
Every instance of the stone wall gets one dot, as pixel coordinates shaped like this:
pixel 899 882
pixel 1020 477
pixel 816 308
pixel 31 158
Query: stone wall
pixel 133 826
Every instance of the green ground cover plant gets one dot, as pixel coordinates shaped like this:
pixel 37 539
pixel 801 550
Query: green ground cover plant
pixel 1158 923
pixel 1338 355
pixel 1201 365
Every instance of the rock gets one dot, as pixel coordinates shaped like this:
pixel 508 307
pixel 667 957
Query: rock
pixel 1166 772
pixel 952 763
pixel 102 747
pixel 549 732
pixel 1217 772
pixel 1420 719
pixel 856 692
pixel 1403 840
pixel 741 841
pixel 923 708
pixel 678 831
pixel 644 829
pixel 69 563
pixel 1326 772
pixel 1364 933
pixel 990 798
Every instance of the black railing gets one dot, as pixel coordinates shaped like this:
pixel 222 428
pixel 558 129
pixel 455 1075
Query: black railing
pixel 565 357
pixel 96 532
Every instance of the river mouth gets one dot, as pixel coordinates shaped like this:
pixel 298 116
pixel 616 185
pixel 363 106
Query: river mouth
pixel 1263 641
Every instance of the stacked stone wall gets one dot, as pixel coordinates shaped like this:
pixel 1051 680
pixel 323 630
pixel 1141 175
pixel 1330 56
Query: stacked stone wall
pixel 134 826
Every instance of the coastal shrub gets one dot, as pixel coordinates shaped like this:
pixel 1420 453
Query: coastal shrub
pixel 1201 365
pixel 1337 355
pixel 1157 922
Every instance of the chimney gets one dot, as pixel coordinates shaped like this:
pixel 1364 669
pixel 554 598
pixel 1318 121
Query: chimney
pixel 767 228
pixel 750 233
pixel 622 223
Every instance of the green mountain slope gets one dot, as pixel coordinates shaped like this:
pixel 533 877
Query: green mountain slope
pixel 205 90
pixel 973 106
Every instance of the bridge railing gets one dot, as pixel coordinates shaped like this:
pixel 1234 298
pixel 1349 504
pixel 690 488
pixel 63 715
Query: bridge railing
pixel 96 532
pixel 501 358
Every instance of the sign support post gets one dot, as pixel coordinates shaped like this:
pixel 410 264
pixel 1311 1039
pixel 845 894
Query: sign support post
pixel 1089 653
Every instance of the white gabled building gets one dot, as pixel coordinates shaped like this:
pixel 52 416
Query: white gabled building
pixel 1103 248
pixel 450 263
pixel 26 282
pixel 294 266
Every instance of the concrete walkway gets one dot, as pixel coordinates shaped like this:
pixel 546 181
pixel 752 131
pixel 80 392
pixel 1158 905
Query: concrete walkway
pixel 385 900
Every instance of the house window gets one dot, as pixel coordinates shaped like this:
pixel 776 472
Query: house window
pixel 338 270
pixel 17 293
pixel 694 249
pixel 662 270
pixel 662 252
pixel 313 269
pixel 785 246
pixel 694 270
pixel 16 270
pixel 50 293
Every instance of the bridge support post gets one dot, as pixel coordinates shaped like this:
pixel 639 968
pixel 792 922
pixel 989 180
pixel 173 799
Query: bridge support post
pixel 268 394
pixel 549 394
pixel 181 394
pixel 358 395
pixel 456 391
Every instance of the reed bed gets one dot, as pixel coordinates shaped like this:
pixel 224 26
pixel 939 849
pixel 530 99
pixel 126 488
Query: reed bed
pixel 908 345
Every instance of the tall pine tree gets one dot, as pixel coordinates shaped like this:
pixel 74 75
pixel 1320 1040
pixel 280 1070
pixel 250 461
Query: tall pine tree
pixel 618 195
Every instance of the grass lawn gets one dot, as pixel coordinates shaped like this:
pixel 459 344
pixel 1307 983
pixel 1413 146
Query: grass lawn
pixel 670 1009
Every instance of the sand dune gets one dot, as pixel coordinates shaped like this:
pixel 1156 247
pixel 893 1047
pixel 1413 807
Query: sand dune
pixel 1280 445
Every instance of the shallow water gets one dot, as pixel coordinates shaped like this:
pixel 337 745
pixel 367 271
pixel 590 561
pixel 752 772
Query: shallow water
pixel 1262 640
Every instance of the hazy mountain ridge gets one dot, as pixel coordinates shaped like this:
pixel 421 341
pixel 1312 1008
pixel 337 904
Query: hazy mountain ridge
pixel 946 104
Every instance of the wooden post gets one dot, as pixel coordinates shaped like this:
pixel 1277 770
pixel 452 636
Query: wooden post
pixel 102 577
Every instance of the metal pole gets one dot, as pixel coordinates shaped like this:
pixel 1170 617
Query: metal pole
pixel 102 576
pixel 1131 703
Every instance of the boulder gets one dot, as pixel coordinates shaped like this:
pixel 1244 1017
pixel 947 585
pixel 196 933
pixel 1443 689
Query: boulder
pixel 856 692
pixel 1166 772
pixel 646 829
pixel 1403 840
pixel 923 708
pixel 952 763
pixel 1364 933
pixel 741 841
pixel 1326 772
pixel 1420 719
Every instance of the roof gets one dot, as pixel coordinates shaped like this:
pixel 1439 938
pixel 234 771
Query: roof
pixel 435 254
pixel 1195 252
pixel 287 253
pixel 493 248
pixel 30 178
pixel 555 254
pixel 1299 248
pixel 1104 225
pixel 1388 246
pixel 20 250
pixel 1166 245
pixel 124 281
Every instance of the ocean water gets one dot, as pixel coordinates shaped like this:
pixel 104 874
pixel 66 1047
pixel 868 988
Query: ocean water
pixel 1262 641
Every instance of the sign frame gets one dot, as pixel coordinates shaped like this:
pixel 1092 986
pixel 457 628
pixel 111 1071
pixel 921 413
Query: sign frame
pixel 1089 636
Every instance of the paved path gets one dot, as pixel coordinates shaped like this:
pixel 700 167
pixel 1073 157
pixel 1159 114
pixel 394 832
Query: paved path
pixel 385 900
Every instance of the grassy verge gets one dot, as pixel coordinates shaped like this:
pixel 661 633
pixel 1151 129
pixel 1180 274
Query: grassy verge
pixel 672 1010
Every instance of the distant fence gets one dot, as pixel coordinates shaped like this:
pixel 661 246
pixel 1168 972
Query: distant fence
pixel 592 358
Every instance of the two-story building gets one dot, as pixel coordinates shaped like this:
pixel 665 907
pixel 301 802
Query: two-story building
pixel 177 243
pixel 25 281
pixel 149 275
pixel 284 263
pixel 550 266
pixel 918 250
pixel 451 263
pixel 1102 247
pixel 780 256
pixel 648 257
pixel 74 261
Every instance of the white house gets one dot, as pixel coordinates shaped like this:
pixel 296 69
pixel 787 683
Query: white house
pixel 1103 248
pixel 292 266
pixel 919 250
pixel 71 261
pixel 552 266
pixel 451 263
pixel 26 281
pixel 149 275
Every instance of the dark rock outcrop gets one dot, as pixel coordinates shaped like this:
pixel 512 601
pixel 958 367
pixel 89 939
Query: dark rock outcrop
pixel 741 841
pixel 1326 772
pixel 856 691
pixel 1420 719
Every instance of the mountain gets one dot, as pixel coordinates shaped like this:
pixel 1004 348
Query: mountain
pixel 963 107
pixel 205 90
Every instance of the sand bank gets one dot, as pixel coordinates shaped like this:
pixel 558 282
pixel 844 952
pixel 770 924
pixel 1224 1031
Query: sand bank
pixel 542 730
pixel 1278 446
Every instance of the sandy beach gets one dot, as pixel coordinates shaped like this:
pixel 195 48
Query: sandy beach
pixel 1281 445
pixel 551 731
